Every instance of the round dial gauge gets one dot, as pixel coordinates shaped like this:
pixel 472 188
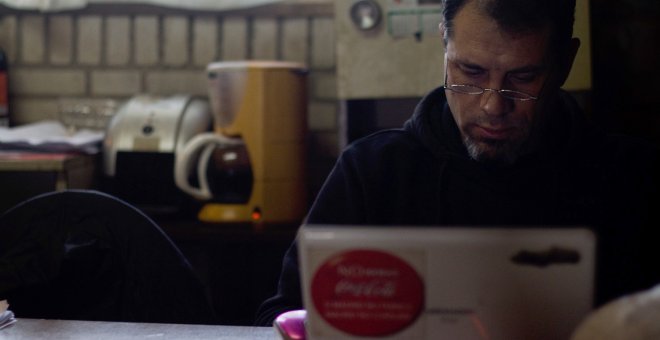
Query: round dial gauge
pixel 365 14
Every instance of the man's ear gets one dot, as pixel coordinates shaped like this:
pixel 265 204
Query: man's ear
pixel 443 31
pixel 566 60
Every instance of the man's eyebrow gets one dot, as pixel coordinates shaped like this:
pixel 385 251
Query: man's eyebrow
pixel 528 69
pixel 522 69
pixel 468 64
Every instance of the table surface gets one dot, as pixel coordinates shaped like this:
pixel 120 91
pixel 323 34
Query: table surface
pixel 36 161
pixel 96 330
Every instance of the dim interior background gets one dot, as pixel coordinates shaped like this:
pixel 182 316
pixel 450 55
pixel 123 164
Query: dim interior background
pixel 103 54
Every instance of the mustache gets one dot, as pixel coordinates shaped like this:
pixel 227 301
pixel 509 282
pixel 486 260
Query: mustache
pixel 500 121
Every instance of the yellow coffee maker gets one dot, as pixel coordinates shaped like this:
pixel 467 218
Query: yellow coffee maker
pixel 251 168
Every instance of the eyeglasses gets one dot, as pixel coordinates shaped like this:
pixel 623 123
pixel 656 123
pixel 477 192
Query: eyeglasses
pixel 473 89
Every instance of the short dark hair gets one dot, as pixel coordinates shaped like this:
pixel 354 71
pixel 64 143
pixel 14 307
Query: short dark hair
pixel 521 16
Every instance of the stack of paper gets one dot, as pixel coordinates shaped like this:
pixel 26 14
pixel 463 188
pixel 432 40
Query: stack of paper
pixel 50 136
pixel 6 316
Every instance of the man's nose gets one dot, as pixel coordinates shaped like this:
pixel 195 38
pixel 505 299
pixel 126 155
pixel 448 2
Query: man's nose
pixel 493 103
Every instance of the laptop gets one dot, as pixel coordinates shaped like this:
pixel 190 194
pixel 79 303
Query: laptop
pixel 445 282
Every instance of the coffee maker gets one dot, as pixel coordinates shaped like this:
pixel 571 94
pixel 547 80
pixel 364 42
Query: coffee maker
pixel 251 168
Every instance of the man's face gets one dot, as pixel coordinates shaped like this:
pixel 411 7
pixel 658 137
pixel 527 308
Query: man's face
pixel 479 53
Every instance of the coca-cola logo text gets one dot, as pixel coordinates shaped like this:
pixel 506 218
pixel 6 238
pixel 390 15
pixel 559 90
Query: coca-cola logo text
pixel 367 292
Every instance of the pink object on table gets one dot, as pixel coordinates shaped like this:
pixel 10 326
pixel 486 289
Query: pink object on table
pixel 291 325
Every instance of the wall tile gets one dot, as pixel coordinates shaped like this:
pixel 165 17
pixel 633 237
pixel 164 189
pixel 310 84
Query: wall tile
pixel 89 40
pixel 118 44
pixel 323 43
pixel 324 85
pixel 234 38
pixel 29 110
pixel 295 36
pixel 264 39
pixel 32 38
pixel 8 29
pixel 177 82
pixel 146 40
pixel 205 40
pixel 60 39
pixel 175 40
pixel 36 81
pixel 115 83
pixel 322 115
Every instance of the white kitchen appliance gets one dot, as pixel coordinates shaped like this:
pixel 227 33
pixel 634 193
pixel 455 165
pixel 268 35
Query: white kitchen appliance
pixel 141 144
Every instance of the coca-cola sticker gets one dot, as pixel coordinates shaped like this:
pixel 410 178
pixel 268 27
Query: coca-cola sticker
pixel 367 292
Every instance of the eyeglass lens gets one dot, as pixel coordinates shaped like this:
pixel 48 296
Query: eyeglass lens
pixel 471 89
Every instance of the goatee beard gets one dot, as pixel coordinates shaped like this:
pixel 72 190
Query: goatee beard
pixel 494 152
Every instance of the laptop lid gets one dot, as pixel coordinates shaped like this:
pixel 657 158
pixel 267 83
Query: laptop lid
pixel 445 282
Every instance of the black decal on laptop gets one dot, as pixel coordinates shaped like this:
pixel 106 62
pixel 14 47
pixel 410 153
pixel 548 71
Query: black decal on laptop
pixel 545 258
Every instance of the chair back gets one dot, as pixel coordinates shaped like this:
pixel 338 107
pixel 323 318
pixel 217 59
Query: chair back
pixel 86 255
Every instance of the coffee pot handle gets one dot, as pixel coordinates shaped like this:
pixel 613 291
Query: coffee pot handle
pixel 199 148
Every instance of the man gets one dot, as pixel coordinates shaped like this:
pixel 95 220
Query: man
pixel 499 144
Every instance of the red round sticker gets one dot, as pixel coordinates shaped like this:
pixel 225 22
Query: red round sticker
pixel 367 293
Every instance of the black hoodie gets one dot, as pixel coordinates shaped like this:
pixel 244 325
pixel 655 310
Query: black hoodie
pixel 421 174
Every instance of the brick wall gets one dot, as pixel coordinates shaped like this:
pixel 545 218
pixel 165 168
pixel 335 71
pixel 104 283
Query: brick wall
pixel 114 52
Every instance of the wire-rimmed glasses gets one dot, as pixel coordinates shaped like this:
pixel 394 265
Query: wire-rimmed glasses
pixel 474 90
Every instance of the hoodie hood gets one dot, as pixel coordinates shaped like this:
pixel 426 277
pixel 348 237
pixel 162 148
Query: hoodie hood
pixel 434 126
pixel 537 182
